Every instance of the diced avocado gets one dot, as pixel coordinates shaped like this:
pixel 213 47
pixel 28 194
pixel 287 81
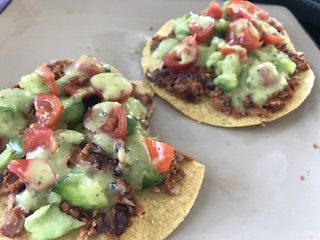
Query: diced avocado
pixel 135 108
pixel 49 222
pixel 13 150
pixel 151 178
pixel 205 52
pixel 221 25
pixel 34 83
pixel 213 59
pixel 281 60
pixel 285 65
pixel 165 46
pixel 226 81
pixel 181 25
pixel 132 124
pixel 215 42
pixel 85 190
pixel 30 199
pixel 16 99
pixel 230 64
pixel 74 110
pixel 141 173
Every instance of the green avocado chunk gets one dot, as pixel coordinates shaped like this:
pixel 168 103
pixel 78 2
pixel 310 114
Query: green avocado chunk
pixel 49 222
pixel 86 190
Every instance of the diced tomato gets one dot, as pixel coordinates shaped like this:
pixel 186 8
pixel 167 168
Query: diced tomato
pixel 183 56
pixel 19 167
pixel 115 124
pixel 274 39
pixel 202 34
pixel 48 109
pixel 44 71
pixel 161 154
pixel 89 65
pixel 36 173
pixel 235 6
pixel 39 137
pixel 242 32
pixel 214 10
pixel 261 13
pixel 226 49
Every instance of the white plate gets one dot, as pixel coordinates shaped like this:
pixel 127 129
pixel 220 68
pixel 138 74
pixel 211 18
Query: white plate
pixel 253 187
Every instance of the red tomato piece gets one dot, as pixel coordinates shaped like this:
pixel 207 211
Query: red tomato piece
pixel 115 124
pixel 37 173
pixel 182 56
pixel 234 6
pixel 240 51
pixel 89 65
pixel 242 32
pixel 48 109
pixel 161 154
pixel 202 34
pixel 261 13
pixel 19 167
pixel 274 39
pixel 44 71
pixel 39 137
pixel 214 10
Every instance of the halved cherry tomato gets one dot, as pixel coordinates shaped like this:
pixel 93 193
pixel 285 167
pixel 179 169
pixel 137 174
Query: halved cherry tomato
pixel 261 13
pixel 235 5
pixel 39 137
pixel 73 88
pixel 161 154
pixel 202 34
pixel 226 49
pixel 48 109
pixel 19 167
pixel 44 71
pixel 272 38
pixel 213 10
pixel 89 65
pixel 115 124
pixel 36 173
pixel 182 56
pixel 242 32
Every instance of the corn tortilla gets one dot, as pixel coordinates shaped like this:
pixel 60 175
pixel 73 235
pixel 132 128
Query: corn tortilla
pixel 204 112
pixel 163 212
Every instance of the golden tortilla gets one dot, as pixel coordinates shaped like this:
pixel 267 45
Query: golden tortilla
pixel 204 112
pixel 163 212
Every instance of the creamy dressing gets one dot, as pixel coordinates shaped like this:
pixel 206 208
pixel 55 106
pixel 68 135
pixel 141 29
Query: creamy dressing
pixel 265 71
pixel 14 103
pixel 94 122
pixel 164 46
pixel 111 85
pixel 49 178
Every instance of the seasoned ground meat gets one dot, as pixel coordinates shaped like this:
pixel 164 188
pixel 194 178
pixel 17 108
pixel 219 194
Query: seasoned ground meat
pixel 174 175
pixel 188 85
pixel 191 84
pixel 10 183
pixel 58 67
pixel 115 221
pixel 13 224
